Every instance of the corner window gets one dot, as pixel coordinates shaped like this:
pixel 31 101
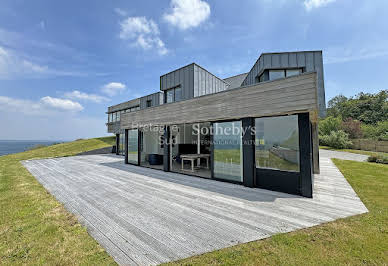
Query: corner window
pixel 277 143
pixel 178 94
pixel 276 74
pixel 173 95
pixel 293 72
pixel 170 96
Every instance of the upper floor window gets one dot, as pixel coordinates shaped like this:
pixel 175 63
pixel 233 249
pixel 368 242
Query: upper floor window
pixel 133 109
pixel 149 103
pixel 274 74
pixel 293 72
pixel 277 74
pixel 173 95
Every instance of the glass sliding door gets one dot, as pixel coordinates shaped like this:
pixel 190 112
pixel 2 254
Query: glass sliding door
pixel 122 144
pixel 133 146
pixel 227 141
pixel 151 148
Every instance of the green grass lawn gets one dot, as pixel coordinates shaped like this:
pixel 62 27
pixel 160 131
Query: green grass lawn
pixel 357 240
pixel 34 227
pixel 369 153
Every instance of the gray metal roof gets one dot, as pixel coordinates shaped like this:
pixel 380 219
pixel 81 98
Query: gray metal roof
pixel 235 81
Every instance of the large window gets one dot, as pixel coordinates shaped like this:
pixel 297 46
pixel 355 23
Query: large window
pixel 228 151
pixel 190 149
pixel 277 143
pixel 151 150
pixel 276 74
pixel 122 144
pixel 133 109
pixel 133 146
pixel 173 95
pixel 293 72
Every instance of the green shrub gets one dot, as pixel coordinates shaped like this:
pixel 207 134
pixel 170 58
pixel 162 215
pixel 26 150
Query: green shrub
pixel 352 127
pixel 372 159
pixel 378 159
pixel 378 131
pixel 336 139
pixel 329 124
pixel 383 137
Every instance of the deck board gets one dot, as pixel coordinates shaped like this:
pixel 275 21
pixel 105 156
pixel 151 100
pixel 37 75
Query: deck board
pixel 145 216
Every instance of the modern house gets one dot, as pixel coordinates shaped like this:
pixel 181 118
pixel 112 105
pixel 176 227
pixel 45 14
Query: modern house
pixel 257 129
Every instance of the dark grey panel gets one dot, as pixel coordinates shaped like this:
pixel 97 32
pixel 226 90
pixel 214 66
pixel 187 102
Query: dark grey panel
pixel 154 98
pixel 235 81
pixel 207 83
pixel 179 77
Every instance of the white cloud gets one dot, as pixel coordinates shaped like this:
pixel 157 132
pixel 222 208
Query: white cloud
pixel 186 14
pixel 13 65
pixel 310 4
pixel 61 104
pixel 142 33
pixel 85 96
pixel 120 12
pixel 355 52
pixel 45 106
pixel 113 88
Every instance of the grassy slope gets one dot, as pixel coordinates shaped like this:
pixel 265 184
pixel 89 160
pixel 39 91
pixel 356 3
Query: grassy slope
pixel 361 239
pixel 34 227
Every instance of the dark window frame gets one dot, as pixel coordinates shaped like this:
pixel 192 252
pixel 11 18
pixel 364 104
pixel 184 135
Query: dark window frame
pixel 174 98
pixel 265 73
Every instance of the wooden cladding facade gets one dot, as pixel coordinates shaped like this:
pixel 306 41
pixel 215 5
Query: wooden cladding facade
pixel 286 96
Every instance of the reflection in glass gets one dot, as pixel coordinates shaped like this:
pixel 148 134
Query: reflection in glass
pixel 292 72
pixel 190 149
pixel 151 150
pixel 178 94
pixel 133 146
pixel 122 144
pixel 277 143
pixel 228 151
pixel 170 96
pixel 276 74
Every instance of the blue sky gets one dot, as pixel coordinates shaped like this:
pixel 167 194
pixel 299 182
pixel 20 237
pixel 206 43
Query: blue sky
pixel 63 62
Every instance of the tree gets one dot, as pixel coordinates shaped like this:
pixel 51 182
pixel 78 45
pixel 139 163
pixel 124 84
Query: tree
pixel 329 124
pixel 335 105
pixel 366 107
